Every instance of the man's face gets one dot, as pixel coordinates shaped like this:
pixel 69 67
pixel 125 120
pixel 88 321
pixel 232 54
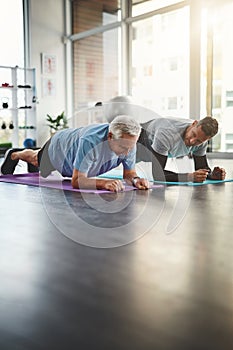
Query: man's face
pixel 194 135
pixel 123 145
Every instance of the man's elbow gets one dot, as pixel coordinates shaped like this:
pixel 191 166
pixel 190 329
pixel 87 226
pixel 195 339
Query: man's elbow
pixel 158 174
pixel 75 183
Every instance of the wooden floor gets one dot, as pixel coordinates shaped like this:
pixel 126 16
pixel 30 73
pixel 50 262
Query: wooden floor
pixel 70 278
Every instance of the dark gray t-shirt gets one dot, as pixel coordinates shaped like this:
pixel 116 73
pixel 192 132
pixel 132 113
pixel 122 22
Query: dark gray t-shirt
pixel 165 136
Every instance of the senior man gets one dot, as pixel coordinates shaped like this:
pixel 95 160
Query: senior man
pixel 85 153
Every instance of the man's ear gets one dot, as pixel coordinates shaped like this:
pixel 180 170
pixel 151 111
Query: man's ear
pixel 110 136
pixel 195 122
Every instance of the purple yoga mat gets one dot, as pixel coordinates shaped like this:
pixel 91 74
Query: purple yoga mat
pixel 52 181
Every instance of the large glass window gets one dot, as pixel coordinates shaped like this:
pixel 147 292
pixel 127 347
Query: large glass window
pixel 176 57
pixel 143 6
pixel 12 54
pixel 11 33
pixel 96 68
pixel 222 94
pixel 160 73
pixel 88 14
pixel 217 71
pixel 95 56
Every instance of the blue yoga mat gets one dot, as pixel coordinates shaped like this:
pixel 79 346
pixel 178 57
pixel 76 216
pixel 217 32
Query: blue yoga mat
pixel 118 175
pixel 207 182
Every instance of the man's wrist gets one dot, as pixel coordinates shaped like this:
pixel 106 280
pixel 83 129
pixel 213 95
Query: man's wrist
pixel 189 177
pixel 134 180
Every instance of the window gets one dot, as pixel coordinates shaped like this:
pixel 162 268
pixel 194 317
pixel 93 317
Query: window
pixel 148 70
pixel 173 64
pixel 229 137
pixel 229 142
pixel 172 102
pixel 88 14
pixel 166 59
pixel 172 57
pixel 96 68
pixel 159 41
pixel 217 101
pixel 229 98
pixel 11 33
pixel 95 56
pixel 142 6
pixel 220 18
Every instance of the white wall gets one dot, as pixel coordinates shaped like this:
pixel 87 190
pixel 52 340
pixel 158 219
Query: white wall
pixel 47 29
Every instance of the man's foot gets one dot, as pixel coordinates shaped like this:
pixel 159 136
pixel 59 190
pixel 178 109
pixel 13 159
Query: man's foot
pixel 32 168
pixel 8 165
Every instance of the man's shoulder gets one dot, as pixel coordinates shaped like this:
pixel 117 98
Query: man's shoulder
pixel 166 124
pixel 165 120
pixel 176 120
pixel 95 130
pixel 97 127
pixel 94 133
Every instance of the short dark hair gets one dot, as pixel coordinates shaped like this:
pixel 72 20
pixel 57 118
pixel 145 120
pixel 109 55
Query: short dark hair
pixel 209 126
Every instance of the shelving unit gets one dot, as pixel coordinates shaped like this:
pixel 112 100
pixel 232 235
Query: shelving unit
pixel 17 106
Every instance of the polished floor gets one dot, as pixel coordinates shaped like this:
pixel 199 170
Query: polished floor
pixel 138 270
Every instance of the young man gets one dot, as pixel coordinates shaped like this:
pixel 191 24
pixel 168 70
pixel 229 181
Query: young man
pixel 87 152
pixel 170 137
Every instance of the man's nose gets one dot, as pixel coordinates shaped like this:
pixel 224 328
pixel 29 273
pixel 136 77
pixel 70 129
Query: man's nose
pixel 193 141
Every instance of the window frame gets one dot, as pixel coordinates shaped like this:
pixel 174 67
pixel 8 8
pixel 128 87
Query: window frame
pixel 125 23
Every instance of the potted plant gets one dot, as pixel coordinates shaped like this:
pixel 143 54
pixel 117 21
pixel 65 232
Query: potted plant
pixel 57 123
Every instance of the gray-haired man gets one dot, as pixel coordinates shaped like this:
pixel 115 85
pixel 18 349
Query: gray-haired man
pixel 85 153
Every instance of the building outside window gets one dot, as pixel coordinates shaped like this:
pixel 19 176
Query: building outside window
pixel 145 49
pixel 12 54
pixel 220 22
pixel 162 42
pixel 95 57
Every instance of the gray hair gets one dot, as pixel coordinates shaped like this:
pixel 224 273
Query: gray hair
pixel 209 126
pixel 124 124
